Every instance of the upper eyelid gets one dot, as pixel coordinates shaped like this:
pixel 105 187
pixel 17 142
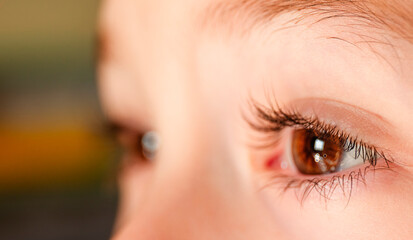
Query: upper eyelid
pixel 331 109
pixel 371 138
pixel 118 127
pixel 295 119
pixel 359 122
pixel 114 127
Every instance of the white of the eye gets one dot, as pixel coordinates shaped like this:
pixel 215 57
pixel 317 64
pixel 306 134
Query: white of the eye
pixel 348 160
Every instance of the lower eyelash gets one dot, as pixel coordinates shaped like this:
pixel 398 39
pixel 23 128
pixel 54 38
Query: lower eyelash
pixel 325 186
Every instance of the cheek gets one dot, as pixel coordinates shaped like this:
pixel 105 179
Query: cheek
pixel 388 205
pixel 381 208
pixel 134 184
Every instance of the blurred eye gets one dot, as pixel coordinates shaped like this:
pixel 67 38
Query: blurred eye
pixel 315 154
pixel 143 146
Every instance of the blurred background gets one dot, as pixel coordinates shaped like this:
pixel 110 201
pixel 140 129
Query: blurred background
pixel 57 161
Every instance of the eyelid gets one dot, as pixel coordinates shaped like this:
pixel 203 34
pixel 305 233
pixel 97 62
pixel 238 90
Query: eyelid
pixel 336 118
pixel 372 128
pixel 349 118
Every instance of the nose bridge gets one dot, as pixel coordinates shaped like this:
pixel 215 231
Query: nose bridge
pixel 191 203
pixel 196 163
pixel 192 141
pixel 208 202
pixel 197 187
pixel 193 194
pixel 198 190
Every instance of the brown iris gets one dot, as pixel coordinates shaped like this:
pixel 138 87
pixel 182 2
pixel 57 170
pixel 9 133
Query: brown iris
pixel 315 155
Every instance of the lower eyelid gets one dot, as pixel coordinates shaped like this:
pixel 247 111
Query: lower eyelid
pixel 337 186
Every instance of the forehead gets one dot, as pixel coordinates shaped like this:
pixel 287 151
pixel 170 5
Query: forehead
pixel 122 19
pixel 142 33
pixel 394 15
pixel 166 45
pixel 151 24
pixel 145 55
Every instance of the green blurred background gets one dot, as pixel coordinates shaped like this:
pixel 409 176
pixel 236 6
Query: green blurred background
pixel 57 162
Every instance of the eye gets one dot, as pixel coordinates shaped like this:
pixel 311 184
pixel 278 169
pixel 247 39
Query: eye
pixel 305 153
pixel 314 154
pixel 144 146
pixel 137 145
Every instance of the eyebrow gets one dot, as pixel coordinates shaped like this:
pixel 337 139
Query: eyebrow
pixel 395 16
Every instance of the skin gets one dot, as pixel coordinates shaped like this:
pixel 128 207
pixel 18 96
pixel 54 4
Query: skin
pixel 161 69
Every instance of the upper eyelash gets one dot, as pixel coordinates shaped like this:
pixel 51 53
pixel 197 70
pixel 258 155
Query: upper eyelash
pixel 275 120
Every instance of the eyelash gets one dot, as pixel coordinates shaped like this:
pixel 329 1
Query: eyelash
pixel 275 120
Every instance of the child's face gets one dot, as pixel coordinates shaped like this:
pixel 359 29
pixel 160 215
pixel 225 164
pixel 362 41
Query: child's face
pixel 277 119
